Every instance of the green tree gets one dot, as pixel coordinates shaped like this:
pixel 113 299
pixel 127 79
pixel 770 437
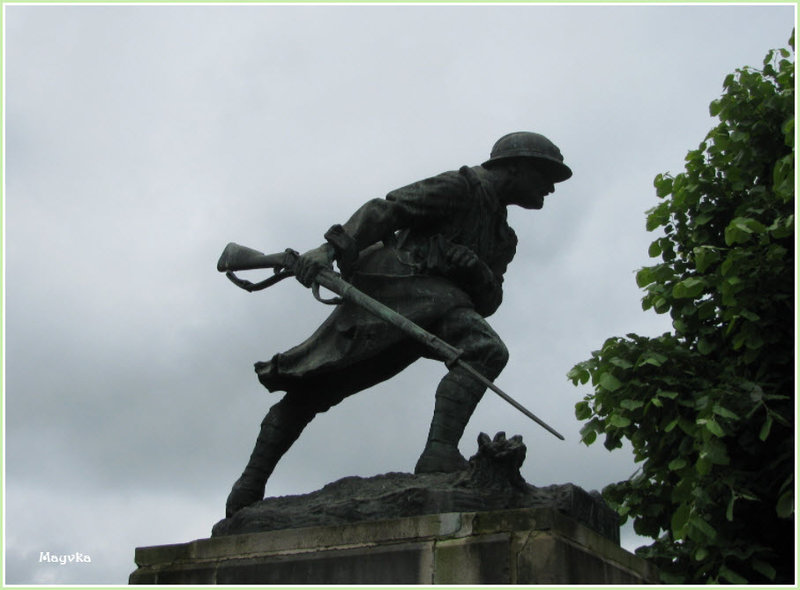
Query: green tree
pixel 709 408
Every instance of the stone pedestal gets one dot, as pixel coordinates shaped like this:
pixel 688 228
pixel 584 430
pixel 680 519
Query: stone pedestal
pixel 520 546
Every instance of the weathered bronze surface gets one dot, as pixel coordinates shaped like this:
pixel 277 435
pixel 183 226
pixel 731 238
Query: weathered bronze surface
pixel 434 254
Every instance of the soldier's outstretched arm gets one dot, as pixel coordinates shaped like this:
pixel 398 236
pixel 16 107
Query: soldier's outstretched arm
pixel 421 202
pixel 372 222
pixel 418 203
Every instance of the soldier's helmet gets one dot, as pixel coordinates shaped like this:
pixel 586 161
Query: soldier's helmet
pixel 526 144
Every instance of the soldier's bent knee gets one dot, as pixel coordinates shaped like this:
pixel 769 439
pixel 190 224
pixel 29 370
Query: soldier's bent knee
pixel 483 348
pixel 489 355
pixel 496 356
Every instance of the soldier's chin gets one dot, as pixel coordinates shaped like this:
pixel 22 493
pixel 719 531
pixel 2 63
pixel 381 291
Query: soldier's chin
pixel 536 203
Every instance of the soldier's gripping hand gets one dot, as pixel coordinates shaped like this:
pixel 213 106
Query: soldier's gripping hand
pixel 461 259
pixel 310 263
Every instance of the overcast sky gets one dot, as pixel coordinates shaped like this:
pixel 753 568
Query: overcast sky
pixel 141 139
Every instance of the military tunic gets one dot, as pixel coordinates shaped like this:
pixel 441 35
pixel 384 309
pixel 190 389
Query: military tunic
pixel 401 244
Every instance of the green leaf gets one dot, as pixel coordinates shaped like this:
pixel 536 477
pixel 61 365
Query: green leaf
pixel 730 79
pixel 612 442
pixel 644 277
pixel 740 136
pixel 579 374
pixel 677 464
pixel 747 496
pixel 663 185
pixel 785 506
pixel 621 363
pixel 754 341
pixel 731 576
pixel 661 305
pixel 782 228
pixel 619 421
pixel 727 264
pixel 589 432
pixel 704 347
pixel 765 428
pixel 657 216
pixel 679 521
pixel 609 382
pixel 724 412
pixel 630 404
pixel 702 220
pixel 701 525
pixel 714 428
pixel 654 250
pixel 582 410
pixel 705 256
pixel 741 229
pixel 749 315
pixel 715 451
pixel 651 358
pixel 703 466
pixel 729 509
pixel 688 288
pixel 763 568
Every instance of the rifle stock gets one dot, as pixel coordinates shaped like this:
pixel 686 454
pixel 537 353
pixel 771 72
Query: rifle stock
pixel 236 257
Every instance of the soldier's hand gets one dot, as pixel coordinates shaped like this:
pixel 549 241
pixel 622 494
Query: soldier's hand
pixel 461 257
pixel 310 263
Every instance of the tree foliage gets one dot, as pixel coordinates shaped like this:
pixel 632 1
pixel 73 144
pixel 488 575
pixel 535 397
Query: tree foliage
pixel 709 407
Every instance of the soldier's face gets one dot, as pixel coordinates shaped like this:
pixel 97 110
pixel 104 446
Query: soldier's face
pixel 530 186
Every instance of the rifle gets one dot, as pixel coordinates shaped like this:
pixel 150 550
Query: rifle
pixel 236 258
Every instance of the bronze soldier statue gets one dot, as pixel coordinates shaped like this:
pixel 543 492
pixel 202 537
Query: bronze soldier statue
pixel 435 251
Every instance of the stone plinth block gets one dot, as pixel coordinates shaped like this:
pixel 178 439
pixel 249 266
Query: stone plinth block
pixel 519 546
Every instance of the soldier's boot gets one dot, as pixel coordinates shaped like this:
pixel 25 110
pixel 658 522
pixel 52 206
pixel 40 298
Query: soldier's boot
pixel 456 398
pixel 280 428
